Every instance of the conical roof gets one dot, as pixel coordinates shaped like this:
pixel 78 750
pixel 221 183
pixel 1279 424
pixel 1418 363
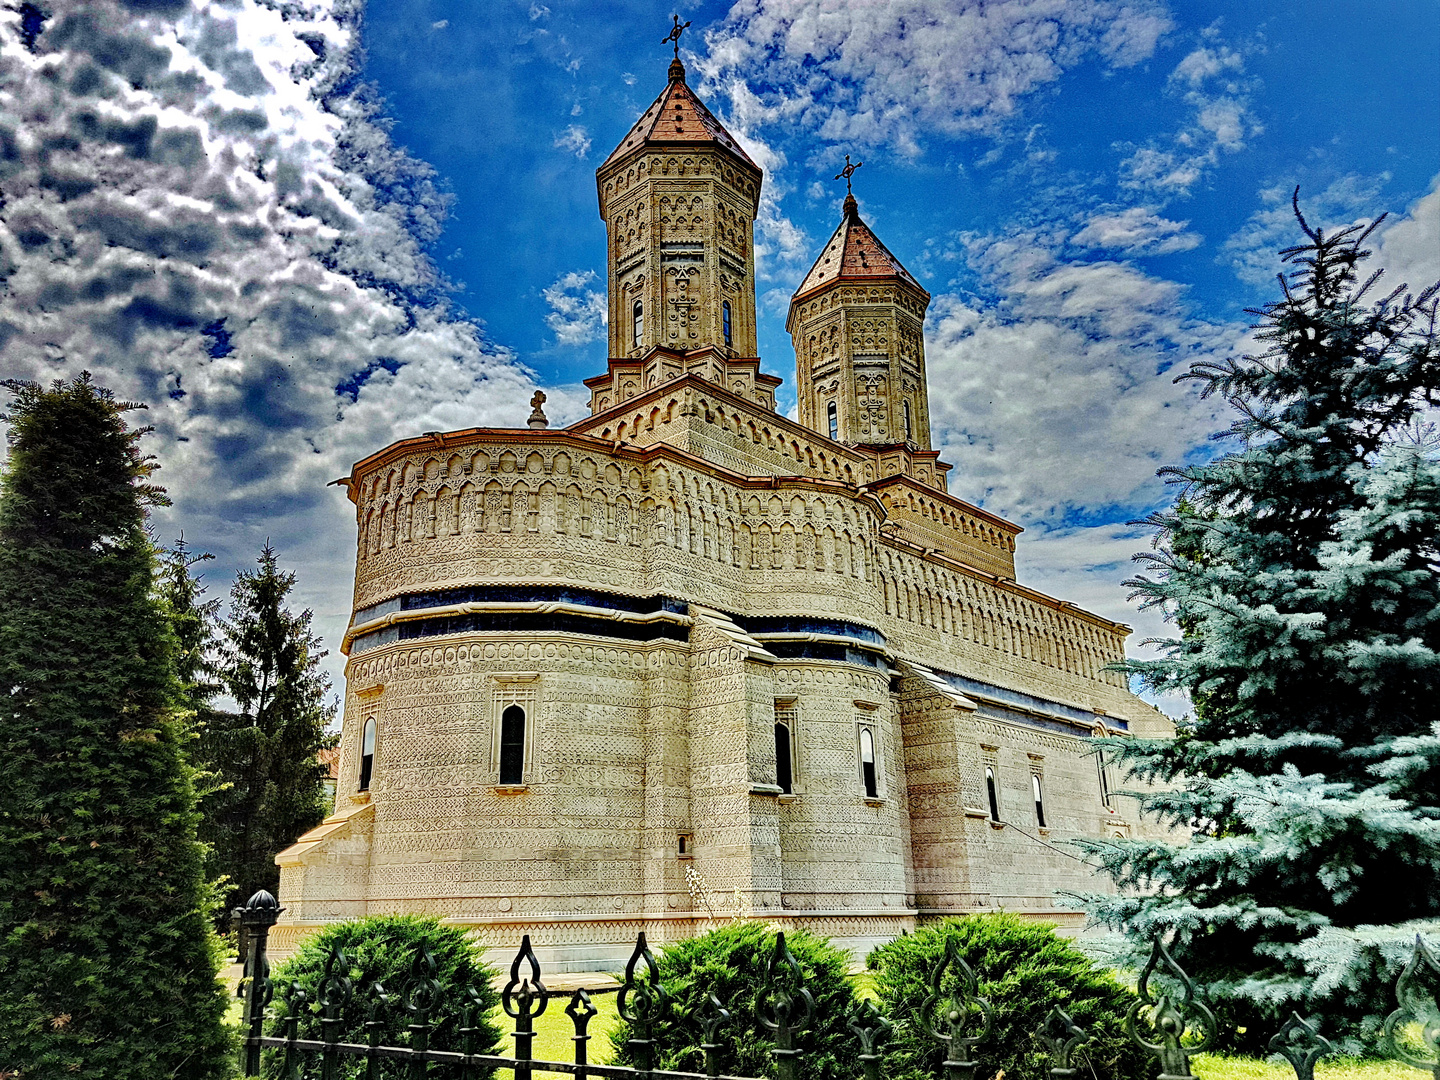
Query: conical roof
pixel 854 253
pixel 677 117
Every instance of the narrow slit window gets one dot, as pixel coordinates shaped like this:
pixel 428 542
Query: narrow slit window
pixel 512 745
pixel 367 754
pixel 909 427
pixel 725 321
pixel 784 773
pixel 1104 767
pixel 867 764
pixel 1039 801
pixel 992 793
pixel 639 321
pixel 834 415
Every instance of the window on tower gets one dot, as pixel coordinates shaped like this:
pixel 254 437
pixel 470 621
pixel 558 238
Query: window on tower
pixel 784 773
pixel 512 745
pixel 869 779
pixel 367 754
pixel 909 428
pixel 639 313
pixel 992 794
pixel 725 321
pixel 834 414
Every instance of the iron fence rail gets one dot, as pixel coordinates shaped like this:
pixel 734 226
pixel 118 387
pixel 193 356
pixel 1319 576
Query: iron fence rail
pixel 1168 1019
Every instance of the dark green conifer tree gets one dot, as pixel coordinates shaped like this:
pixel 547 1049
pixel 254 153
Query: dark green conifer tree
pixel 1303 571
pixel 266 755
pixel 107 960
pixel 193 621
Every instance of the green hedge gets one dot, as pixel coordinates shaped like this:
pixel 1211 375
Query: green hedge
pixel 384 947
pixel 1023 969
pixel 729 963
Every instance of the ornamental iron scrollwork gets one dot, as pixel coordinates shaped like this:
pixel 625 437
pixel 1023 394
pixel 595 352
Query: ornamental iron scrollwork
pixel 641 1003
pixel 953 1011
pixel 581 1011
pixel 519 999
pixel 1170 1018
pixel 334 994
pixel 1300 1043
pixel 869 1025
pixel 1417 1006
pixel 712 1017
pixel 374 1026
pixel 1063 1037
pixel 785 1007
pixel 422 994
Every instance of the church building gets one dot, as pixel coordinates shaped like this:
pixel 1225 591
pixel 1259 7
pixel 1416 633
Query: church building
pixel 688 659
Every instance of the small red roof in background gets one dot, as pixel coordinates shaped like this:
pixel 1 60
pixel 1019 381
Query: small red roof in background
pixel 331 760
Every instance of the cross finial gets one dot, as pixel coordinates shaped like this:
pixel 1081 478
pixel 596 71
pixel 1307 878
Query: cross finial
pixel 674 35
pixel 847 172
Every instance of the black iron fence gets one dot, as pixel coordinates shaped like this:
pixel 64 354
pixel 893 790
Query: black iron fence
pixel 1168 1020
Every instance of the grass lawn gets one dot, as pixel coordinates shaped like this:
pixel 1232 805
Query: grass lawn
pixel 1223 1067
pixel 554 1031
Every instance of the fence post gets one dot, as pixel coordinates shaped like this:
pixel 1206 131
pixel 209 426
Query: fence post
pixel 711 1020
pixel 1170 1017
pixel 581 1011
pixel 868 1025
pixel 785 1007
pixel 641 1003
pixel 1419 1006
pixel 1063 1036
pixel 334 994
pixel 1301 1044
pixel 374 1028
pixel 420 999
pixel 956 1008
pixel 255 919
pixel 294 1003
pixel 518 999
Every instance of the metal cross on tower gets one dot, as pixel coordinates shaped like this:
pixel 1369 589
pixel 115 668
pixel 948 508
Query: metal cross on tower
pixel 674 35
pixel 847 172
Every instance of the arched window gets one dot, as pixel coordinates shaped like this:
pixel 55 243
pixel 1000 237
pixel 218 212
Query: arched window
pixel 1104 778
pixel 639 315
pixel 1039 801
pixel 784 771
pixel 834 415
pixel 990 791
pixel 867 764
pixel 512 745
pixel 909 427
pixel 725 320
pixel 367 754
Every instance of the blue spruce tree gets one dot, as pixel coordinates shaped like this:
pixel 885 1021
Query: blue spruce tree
pixel 1302 570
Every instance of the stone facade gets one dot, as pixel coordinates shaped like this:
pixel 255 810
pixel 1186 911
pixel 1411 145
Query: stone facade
pixel 688 633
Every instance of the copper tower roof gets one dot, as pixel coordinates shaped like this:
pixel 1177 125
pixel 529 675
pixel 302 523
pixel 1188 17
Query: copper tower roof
pixel 678 117
pixel 854 253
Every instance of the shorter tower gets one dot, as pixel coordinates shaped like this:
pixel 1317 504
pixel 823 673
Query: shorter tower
pixel 857 322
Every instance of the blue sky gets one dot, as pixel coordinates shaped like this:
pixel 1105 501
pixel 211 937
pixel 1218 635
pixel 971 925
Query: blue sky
pixel 207 207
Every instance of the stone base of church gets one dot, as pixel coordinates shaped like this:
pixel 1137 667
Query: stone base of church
pixel 588 943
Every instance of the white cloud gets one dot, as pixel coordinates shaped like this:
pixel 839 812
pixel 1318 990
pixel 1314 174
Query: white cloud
pixel 1253 249
pixel 575 140
pixel 1409 246
pixel 1137 230
pixel 197 212
pixel 578 314
pixel 887 71
pixel 1058 403
pixel 1211 81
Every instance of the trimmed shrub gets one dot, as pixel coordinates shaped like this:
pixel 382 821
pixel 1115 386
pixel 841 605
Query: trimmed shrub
pixel 1024 969
pixel 384 947
pixel 730 963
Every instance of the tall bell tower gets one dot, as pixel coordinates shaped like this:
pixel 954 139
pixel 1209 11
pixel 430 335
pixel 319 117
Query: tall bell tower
pixel 679 198
pixel 857 322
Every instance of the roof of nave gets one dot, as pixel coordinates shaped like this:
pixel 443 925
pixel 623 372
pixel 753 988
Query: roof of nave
pixel 678 118
pixel 854 253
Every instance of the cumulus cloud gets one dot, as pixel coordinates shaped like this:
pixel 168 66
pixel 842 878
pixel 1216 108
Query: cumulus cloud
pixel 884 72
pixel 1409 246
pixel 1212 82
pixel 1056 403
pixel 574 140
pixel 1136 230
pixel 578 313
pixel 203 207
